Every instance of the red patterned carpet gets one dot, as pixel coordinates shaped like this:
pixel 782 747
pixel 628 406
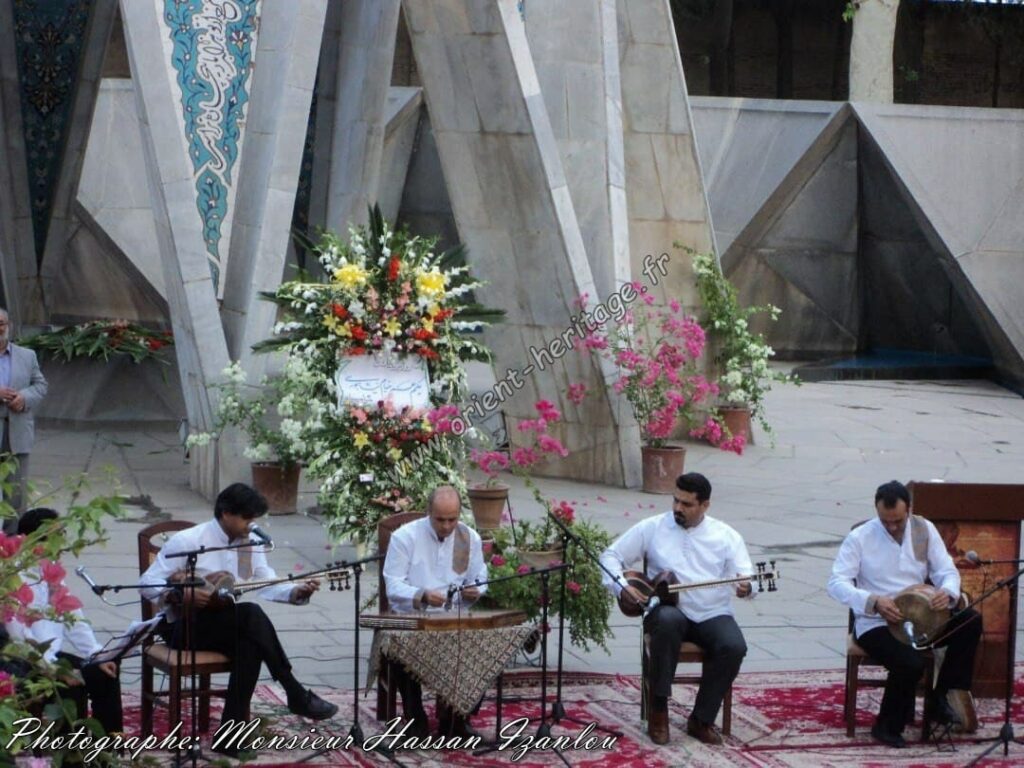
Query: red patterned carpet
pixel 780 720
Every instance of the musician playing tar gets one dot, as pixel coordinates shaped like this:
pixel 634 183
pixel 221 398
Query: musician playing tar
pixel 695 547
pixel 877 561
pixel 424 558
pixel 241 631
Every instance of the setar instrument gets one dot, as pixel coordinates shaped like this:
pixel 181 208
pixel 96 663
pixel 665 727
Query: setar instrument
pixel 666 587
pixel 223 589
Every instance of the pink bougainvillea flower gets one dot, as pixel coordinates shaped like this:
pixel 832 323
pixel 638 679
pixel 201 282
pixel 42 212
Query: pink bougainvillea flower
pixel 52 573
pixel 498 561
pixel 550 444
pixel 9 545
pixel 63 601
pixel 547 410
pixel 24 595
pixel 565 512
pixel 602 499
pixel 573 587
pixel 525 457
pixel 577 392
pixel 6 685
pixel 523 569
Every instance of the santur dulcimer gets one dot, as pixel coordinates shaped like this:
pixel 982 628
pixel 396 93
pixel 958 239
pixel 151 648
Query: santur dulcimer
pixel 440 621
pixel 666 587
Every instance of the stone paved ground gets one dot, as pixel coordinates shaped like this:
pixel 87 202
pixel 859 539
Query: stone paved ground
pixel 835 442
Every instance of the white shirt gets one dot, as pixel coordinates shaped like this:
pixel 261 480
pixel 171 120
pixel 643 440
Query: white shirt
pixel 883 568
pixel 77 639
pixel 417 561
pixel 711 550
pixel 210 534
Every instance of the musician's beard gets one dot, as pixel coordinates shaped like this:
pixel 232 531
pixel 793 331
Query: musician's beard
pixel 682 522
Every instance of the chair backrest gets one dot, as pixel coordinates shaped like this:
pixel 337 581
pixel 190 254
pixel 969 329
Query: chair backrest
pixel 148 551
pixel 385 528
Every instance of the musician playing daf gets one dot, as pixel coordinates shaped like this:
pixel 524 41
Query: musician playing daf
pixel 424 558
pixel 878 560
pixel 695 547
pixel 241 631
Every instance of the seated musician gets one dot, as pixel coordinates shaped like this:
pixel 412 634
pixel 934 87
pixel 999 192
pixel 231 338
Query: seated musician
pixel 73 643
pixel 424 558
pixel 876 561
pixel 241 631
pixel 695 547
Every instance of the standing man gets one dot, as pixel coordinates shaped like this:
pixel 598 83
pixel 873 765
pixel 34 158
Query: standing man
pixel 695 547
pixel 22 388
pixel 878 560
pixel 425 557
pixel 240 631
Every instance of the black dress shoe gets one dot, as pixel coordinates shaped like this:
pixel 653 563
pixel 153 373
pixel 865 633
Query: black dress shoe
pixel 419 726
pixel 312 706
pixel 457 727
pixel 881 734
pixel 939 711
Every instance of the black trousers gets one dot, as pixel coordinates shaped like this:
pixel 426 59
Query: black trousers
pixel 102 690
pixel 244 633
pixel 724 648
pixel 906 665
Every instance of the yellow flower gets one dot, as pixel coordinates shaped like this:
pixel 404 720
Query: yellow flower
pixel 343 330
pixel 433 309
pixel 350 275
pixel 428 324
pixel 431 284
pixel 426 425
pixel 361 440
pixel 394 454
pixel 331 322
pixel 392 327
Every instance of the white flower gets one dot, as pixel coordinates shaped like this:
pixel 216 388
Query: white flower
pixel 198 439
pixel 357 309
pixel 260 452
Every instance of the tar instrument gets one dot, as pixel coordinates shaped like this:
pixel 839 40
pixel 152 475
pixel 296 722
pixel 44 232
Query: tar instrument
pixel 921 624
pixel 666 587
pixel 443 621
pixel 223 589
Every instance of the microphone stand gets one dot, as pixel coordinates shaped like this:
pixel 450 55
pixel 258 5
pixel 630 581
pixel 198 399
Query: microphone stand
pixel 192 557
pixel 558 708
pixel 544 729
pixel 1006 734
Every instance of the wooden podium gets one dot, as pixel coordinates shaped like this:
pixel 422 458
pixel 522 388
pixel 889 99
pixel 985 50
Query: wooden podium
pixel 984 518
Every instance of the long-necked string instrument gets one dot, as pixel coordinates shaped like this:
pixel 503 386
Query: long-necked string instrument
pixel 223 589
pixel 666 587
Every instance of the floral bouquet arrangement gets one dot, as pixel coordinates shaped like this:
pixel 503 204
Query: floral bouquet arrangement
pixel 102 339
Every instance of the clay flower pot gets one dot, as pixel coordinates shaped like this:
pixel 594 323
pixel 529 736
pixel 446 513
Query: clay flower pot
pixel 661 467
pixel 279 485
pixel 488 504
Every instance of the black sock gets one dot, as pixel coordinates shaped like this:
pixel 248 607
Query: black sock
pixel 659 703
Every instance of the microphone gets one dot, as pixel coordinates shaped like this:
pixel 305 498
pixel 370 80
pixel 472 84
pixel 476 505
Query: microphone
pixel 81 573
pixel 972 557
pixel 259 533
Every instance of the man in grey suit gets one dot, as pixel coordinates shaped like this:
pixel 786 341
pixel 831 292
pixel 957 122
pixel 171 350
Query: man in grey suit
pixel 22 388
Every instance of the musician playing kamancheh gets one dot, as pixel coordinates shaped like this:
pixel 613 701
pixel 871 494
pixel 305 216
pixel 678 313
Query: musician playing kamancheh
pixel 241 631
pixel 877 561
pixel 424 558
pixel 695 547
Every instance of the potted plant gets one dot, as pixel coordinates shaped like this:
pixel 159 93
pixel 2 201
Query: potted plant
pixel 741 354
pixel 656 350
pixel 273 416
pixel 587 603
pixel 487 500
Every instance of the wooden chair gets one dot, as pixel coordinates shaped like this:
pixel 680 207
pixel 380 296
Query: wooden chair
pixel 387 693
pixel 159 656
pixel 689 653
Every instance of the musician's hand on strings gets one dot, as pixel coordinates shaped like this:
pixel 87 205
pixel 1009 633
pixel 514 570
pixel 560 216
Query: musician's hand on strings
pixel 433 598
pixel 470 594
pixel 300 595
pixel 941 600
pixel 887 609
pixel 744 588
pixel 634 596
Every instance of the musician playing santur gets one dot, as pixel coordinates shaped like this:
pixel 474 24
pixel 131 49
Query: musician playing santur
pixel 878 560
pixel 424 558
pixel 695 547
pixel 241 631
